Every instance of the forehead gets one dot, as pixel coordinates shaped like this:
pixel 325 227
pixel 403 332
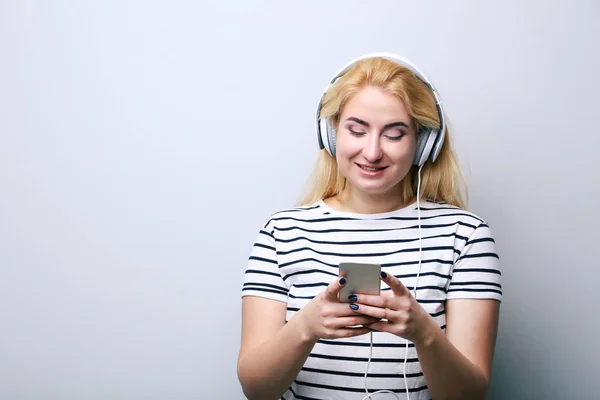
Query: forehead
pixel 376 106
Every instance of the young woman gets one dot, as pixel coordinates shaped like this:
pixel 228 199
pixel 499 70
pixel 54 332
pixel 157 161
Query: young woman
pixel 387 189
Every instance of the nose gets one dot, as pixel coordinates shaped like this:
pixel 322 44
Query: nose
pixel 372 151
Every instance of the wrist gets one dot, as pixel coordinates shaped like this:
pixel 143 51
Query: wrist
pixel 301 326
pixel 428 334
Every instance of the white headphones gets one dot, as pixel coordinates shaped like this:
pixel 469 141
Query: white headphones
pixel 430 140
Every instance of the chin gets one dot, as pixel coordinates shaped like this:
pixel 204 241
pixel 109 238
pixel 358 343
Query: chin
pixel 373 186
pixel 375 189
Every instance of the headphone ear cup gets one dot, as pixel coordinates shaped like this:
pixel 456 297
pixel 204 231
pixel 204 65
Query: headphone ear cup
pixel 437 146
pixel 324 134
pixel 424 145
pixel 331 135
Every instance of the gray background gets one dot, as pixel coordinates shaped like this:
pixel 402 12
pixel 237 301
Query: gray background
pixel 142 144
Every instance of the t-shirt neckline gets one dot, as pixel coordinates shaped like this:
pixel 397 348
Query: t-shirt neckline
pixel 408 209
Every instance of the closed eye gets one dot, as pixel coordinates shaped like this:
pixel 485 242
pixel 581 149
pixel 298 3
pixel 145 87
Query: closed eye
pixel 355 133
pixel 395 138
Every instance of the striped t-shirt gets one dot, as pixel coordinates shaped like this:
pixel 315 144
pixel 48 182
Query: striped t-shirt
pixel 297 253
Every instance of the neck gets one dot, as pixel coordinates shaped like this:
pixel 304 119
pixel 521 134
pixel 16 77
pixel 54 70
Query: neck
pixel 351 200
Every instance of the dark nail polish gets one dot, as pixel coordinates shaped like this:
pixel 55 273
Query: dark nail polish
pixel 352 298
pixel 383 274
pixel 343 281
pixel 354 307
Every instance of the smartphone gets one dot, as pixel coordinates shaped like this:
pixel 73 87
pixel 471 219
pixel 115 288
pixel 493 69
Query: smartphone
pixel 361 278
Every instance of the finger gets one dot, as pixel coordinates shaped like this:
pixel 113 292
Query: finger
pixel 394 283
pixel 345 322
pixel 381 301
pixel 339 310
pixel 350 332
pixel 375 312
pixel 381 326
pixel 333 289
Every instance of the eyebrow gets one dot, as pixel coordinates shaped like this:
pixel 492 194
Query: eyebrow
pixel 387 126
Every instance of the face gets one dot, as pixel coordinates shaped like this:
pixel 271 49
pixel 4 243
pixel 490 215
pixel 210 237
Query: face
pixel 375 142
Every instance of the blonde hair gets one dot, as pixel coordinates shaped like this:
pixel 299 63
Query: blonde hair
pixel 441 181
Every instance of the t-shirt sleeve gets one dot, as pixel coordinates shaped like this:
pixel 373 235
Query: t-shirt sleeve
pixel 262 277
pixel 476 273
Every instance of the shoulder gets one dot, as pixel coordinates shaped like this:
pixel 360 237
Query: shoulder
pixel 467 225
pixel 448 212
pixel 298 214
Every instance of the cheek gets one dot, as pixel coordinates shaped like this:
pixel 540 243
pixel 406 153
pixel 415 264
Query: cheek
pixel 405 151
pixel 346 145
pixel 405 156
pixel 400 153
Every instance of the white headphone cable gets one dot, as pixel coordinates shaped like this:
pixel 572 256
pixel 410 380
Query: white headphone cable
pixel 414 295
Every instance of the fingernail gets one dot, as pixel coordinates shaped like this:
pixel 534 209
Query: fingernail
pixel 342 281
pixel 352 298
pixel 383 274
pixel 354 307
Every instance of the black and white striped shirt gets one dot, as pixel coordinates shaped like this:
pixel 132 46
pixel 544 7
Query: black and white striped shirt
pixel 296 255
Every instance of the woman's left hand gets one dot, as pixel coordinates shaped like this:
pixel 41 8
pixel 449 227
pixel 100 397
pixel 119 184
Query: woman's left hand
pixel 403 315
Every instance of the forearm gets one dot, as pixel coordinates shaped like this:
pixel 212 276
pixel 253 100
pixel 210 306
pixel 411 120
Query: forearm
pixel 267 371
pixel 449 374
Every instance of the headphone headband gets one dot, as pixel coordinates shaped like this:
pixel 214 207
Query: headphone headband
pixel 430 141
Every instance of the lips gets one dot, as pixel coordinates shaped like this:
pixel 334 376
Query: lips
pixel 369 168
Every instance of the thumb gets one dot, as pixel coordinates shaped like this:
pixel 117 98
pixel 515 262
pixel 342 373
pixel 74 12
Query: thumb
pixel 394 283
pixel 333 289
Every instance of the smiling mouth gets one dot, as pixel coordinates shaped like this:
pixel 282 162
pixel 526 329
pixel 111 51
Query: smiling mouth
pixel 371 169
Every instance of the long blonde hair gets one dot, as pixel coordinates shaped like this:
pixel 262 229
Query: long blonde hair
pixel 441 181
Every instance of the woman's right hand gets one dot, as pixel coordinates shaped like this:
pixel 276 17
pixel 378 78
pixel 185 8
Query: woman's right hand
pixel 324 317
